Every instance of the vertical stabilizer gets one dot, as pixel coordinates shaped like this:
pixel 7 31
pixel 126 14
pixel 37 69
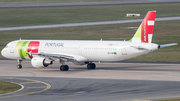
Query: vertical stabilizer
pixel 145 31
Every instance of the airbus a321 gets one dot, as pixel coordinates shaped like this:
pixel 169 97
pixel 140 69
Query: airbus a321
pixel 44 52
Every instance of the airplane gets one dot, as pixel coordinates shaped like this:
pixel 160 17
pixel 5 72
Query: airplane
pixel 43 53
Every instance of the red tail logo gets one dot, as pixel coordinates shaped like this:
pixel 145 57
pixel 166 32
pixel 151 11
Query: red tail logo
pixel 145 30
pixel 147 27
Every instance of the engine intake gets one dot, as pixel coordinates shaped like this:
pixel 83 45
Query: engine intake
pixel 39 62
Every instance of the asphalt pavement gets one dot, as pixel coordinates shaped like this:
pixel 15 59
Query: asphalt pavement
pixel 73 89
pixel 110 81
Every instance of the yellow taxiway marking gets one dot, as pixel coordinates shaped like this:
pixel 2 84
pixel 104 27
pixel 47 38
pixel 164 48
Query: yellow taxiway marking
pixel 37 87
pixel 48 86
pixel 27 82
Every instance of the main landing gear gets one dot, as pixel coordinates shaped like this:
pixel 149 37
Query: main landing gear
pixel 64 67
pixel 91 65
pixel 19 66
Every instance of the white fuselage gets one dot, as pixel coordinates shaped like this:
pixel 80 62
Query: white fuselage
pixel 90 50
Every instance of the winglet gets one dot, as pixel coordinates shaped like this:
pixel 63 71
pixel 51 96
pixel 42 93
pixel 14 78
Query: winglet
pixel 145 30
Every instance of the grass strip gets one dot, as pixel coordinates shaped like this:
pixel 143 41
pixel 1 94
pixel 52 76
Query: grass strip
pixel 11 17
pixel 7 87
pixel 164 32
pixel 49 1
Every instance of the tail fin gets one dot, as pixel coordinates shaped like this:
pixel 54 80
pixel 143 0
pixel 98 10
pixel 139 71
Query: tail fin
pixel 145 30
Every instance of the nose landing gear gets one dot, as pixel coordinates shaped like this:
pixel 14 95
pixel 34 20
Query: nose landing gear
pixel 19 66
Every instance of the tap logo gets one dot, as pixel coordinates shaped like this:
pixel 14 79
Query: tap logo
pixel 27 46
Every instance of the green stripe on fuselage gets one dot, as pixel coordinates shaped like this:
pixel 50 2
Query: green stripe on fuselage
pixel 23 49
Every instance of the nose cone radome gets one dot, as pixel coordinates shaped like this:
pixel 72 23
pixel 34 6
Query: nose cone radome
pixel 2 52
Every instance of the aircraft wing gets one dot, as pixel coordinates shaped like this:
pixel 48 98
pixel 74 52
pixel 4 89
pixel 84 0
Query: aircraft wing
pixel 64 57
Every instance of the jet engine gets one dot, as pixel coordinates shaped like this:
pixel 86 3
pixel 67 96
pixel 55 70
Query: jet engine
pixel 40 62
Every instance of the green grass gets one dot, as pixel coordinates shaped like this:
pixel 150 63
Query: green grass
pixel 49 1
pixel 7 87
pixel 75 14
pixel 164 32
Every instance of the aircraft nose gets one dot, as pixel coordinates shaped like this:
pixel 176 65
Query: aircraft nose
pixel 3 52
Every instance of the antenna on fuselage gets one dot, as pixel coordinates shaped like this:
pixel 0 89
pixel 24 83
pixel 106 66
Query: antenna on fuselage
pixel 20 39
pixel 101 39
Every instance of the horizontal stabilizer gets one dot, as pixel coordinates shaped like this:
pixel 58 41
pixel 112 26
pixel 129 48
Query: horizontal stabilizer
pixel 167 45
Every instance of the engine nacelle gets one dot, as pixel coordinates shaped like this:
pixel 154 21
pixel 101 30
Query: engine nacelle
pixel 39 62
pixel 79 63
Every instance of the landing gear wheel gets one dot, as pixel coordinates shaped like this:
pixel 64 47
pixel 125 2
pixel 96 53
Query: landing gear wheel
pixel 91 66
pixel 64 68
pixel 19 66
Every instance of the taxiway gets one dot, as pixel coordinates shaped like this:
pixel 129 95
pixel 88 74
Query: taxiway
pixel 116 81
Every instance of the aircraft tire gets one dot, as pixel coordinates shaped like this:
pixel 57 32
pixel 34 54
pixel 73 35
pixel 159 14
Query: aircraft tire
pixel 91 66
pixel 19 66
pixel 64 68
